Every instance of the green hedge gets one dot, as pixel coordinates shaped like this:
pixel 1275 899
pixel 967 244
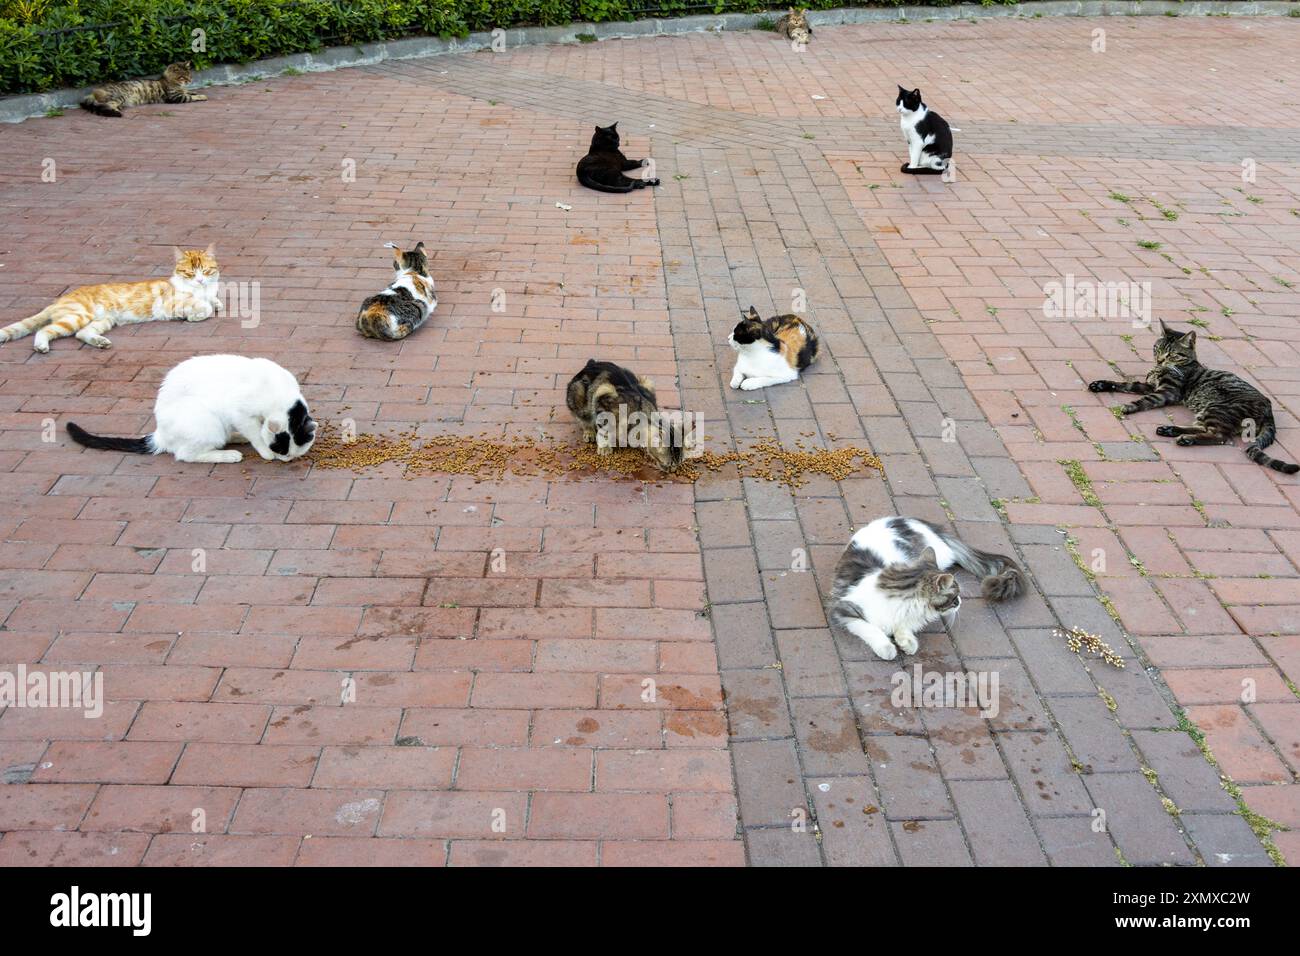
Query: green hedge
pixel 51 44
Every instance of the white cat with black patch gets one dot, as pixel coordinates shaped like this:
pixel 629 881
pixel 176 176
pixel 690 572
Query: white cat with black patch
pixel 893 581
pixel 210 401
pixel 928 135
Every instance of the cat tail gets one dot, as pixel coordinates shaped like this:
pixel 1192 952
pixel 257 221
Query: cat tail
pixel 600 187
pixel 28 325
pixel 137 446
pixel 1255 451
pixel 95 106
pixel 1002 577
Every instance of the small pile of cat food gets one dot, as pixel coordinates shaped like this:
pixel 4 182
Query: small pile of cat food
pixel 492 458
pixel 1079 640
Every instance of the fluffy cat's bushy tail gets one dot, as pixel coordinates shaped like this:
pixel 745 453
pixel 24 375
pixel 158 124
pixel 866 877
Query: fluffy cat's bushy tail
pixel 1255 452
pixel 137 446
pixel 1002 577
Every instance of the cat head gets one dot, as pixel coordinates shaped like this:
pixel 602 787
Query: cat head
pixel 290 436
pixel 414 261
pixel 179 74
pixel 922 581
pixel 673 443
pixel 197 265
pixel 909 101
pixel 798 17
pixel 748 330
pixel 1174 347
pixel 606 137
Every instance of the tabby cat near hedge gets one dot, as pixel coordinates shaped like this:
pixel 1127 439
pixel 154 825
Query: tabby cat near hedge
pixel 111 99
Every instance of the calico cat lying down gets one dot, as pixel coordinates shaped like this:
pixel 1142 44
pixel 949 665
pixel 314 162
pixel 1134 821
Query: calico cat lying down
pixel 617 408
pixel 893 580
pixel 603 167
pixel 210 401
pixel 771 351
pixel 1225 405
pixel 111 99
pixel 406 304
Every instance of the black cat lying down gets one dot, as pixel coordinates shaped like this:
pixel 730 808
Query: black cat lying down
pixel 603 167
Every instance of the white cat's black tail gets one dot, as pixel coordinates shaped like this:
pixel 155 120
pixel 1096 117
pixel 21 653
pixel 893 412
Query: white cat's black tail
pixel 137 446
pixel 1002 577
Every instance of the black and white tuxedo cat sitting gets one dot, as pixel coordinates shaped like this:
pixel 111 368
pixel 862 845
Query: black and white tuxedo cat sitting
pixel 928 135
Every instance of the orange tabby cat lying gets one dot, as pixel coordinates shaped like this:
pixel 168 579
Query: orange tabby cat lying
pixel 91 310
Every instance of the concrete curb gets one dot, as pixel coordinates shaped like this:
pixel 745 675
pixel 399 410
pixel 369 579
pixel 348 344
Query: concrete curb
pixel 15 109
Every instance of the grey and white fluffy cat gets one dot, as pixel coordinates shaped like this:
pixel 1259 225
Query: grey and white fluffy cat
pixel 893 580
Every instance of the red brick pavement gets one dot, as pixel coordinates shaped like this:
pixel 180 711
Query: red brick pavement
pixel 518 701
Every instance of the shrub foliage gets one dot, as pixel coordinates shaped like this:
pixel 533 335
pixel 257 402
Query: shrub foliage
pixel 49 44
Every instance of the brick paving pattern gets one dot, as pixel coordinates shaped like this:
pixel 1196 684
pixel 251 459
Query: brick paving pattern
pixel 499 714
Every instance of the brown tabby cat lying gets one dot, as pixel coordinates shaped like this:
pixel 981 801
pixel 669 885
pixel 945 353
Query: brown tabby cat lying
pixel 794 26
pixel 617 409
pixel 110 100
pixel 1225 405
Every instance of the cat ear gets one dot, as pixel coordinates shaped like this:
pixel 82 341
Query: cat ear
pixel 1189 337
pixel 917 91
pixel 928 557
pixel 397 256
pixel 276 425
pixel 753 314
pixel 419 246
pixel 211 250
pixel 945 582
pixel 176 251
pixel 1164 329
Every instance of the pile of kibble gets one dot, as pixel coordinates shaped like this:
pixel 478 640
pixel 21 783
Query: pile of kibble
pixel 486 458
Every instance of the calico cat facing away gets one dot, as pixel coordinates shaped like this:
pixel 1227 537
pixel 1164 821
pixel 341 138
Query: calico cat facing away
pixel 603 167
pixel 210 401
pixel 191 293
pixel 893 580
pixel 617 408
pixel 406 304
pixel 928 135
pixel 794 26
pixel 1225 405
pixel 111 99
pixel 771 351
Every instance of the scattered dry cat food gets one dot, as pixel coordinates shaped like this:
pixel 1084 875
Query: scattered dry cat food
pixel 1079 640
pixel 488 458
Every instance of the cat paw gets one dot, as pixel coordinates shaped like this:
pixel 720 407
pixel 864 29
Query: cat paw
pixel 198 97
pixel 652 182
pixel 645 162
pixel 226 457
pixel 1185 440
pixel 905 168
pixel 751 384
pixel 99 342
pixel 42 347
pixel 907 643
pixel 604 450
pixel 1167 431
pixel 1128 409
pixel 886 652
pixel 736 382
pixel 1101 386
